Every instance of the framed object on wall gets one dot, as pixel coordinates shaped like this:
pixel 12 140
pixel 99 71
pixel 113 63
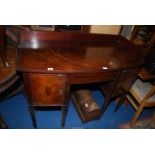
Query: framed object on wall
pixel 43 27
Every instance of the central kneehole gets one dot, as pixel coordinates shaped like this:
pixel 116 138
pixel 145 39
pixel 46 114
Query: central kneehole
pixel 48 90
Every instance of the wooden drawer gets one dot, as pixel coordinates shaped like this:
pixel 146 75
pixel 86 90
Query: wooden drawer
pixel 47 89
pixel 94 77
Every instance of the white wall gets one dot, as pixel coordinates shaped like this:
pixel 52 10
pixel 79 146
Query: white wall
pixel 105 29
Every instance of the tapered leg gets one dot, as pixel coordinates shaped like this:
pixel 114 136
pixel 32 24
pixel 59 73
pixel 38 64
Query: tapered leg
pixel 133 121
pixel 32 113
pixel 105 105
pixel 121 100
pixel 64 114
pixel 110 96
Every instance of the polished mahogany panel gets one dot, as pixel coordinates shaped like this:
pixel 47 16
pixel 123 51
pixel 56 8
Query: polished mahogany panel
pixel 47 89
pixel 95 77
pixel 75 52
pixel 38 39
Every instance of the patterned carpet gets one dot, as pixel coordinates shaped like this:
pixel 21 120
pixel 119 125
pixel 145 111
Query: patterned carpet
pixel 146 123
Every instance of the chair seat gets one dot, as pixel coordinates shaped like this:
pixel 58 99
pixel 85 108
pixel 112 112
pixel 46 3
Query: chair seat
pixel 140 89
pixel 151 99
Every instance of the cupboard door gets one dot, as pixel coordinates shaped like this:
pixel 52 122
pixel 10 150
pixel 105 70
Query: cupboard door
pixel 47 89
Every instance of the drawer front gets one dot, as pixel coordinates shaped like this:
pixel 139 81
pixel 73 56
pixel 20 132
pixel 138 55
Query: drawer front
pixel 95 77
pixel 47 89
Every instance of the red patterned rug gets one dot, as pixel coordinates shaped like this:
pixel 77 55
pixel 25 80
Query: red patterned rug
pixel 146 123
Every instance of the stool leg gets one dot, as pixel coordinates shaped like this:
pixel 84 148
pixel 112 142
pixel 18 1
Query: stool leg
pixel 32 113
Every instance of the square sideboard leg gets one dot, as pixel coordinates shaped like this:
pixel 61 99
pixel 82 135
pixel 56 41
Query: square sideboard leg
pixel 32 113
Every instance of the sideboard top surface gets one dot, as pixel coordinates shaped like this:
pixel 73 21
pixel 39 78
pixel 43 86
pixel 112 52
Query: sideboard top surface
pixel 75 53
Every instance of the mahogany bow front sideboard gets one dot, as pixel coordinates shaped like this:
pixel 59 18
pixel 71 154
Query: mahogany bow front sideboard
pixel 52 61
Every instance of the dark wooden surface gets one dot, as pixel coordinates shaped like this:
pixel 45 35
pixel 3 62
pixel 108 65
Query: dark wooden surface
pixel 10 83
pixel 146 75
pixel 44 57
pixel 75 53
pixel 47 89
pixel 3 45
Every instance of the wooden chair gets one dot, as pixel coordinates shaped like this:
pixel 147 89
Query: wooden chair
pixel 141 95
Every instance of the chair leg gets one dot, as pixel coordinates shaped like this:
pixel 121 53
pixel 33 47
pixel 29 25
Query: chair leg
pixel 136 116
pixel 121 100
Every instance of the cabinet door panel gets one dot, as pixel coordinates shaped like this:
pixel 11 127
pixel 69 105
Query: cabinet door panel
pixel 47 89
